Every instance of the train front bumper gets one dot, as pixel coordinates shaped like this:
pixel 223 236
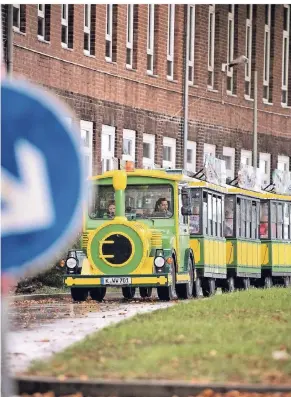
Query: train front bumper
pixel 132 280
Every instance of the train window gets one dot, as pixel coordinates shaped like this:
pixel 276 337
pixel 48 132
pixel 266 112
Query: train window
pixel 194 219
pixel 219 216
pixel 209 204
pixel 228 223
pixel 243 218
pixel 280 221
pixel 248 218
pixel 286 221
pixel 273 221
pixel 205 213
pixel 254 231
pixel 214 215
pixel 264 221
pixel 238 217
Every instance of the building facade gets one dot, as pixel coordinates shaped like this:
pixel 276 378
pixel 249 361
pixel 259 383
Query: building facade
pixel 122 69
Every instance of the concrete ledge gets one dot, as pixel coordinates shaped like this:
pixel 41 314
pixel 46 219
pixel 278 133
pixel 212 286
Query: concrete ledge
pixel 143 388
pixel 36 297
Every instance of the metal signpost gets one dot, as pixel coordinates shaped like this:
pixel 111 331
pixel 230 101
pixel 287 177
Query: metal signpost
pixel 41 187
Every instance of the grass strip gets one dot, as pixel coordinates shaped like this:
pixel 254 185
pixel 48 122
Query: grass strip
pixel 240 337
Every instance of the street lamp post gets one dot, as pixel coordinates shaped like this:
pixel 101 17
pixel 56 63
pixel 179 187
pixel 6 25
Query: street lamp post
pixel 243 59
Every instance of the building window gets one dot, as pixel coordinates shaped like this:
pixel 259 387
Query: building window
pixel 44 21
pixel 128 145
pixel 89 29
pixel 268 49
pixel 283 163
pixel 285 52
pixel 87 144
pixel 211 36
pixel 191 156
pixel 246 157
pixel 208 149
pixel 230 48
pixel 129 36
pixel 107 147
pixel 148 151
pixel 265 167
pixel 191 33
pixel 19 18
pixel 229 158
pixel 169 152
pixel 151 39
pixel 67 25
pixel 111 33
pixel 170 42
pixel 248 50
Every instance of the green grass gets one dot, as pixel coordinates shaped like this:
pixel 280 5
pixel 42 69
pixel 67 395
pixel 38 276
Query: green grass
pixel 225 338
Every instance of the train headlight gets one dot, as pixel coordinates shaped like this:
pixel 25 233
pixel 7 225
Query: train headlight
pixel 71 263
pixel 159 261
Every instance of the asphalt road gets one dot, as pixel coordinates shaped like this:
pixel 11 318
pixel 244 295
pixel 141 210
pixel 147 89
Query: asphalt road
pixel 40 328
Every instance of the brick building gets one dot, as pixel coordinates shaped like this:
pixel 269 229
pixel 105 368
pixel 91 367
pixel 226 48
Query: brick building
pixel 122 68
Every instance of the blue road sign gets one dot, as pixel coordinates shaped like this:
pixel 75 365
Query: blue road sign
pixel 41 187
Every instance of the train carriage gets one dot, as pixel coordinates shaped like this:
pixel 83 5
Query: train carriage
pixel 139 246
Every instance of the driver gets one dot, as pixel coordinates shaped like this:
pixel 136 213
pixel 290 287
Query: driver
pixel 162 207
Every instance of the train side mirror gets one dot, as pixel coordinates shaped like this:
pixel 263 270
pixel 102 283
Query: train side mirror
pixel 186 203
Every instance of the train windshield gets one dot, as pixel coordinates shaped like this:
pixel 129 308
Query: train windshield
pixel 141 201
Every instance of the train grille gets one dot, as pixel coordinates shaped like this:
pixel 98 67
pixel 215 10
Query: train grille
pixel 85 238
pixel 156 239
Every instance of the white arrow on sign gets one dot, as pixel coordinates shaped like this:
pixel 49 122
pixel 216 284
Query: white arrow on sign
pixel 28 204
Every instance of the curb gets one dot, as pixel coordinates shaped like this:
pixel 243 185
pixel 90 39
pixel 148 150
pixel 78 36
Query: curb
pixel 144 388
pixel 28 297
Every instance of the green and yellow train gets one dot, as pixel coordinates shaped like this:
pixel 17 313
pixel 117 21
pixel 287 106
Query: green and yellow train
pixel 185 237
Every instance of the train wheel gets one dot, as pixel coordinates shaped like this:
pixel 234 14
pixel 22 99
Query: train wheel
pixel 197 288
pixel 286 281
pixel 79 294
pixel 268 282
pixel 229 285
pixel 98 294
pixel 185 291
pixel 128 292
pixel 145 292
pixel 168 293
pixel 208 286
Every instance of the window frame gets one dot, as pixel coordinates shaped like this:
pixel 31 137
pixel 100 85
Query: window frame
pixel 41 14
pixel 131 136
pixel 87 29
pixel 65 23
pixel 191 145
pixel 267 55
pixel 129 35
pixel 109 32
pixel 230 46
pixel 170 142
pixel 285 56
pixel 149 162
pixel 247 154
pixel 110 131
pixel 248 52
pixel 283 160
pixel 191 35
pixel 171 40
pixel 211 43
pixel 17 28
pixel 88 151
pixel 151 38
pixel 265 157
pixel 229 152
pixel 211 151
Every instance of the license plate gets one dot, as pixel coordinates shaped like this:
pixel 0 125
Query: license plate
pixel 116 280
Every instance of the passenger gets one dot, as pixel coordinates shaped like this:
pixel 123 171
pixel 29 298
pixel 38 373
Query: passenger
pixel 161 207
pixel 195 221
pixel 264 227
pixel 110 214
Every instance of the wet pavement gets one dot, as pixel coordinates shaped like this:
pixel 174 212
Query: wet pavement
pixel 41 328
